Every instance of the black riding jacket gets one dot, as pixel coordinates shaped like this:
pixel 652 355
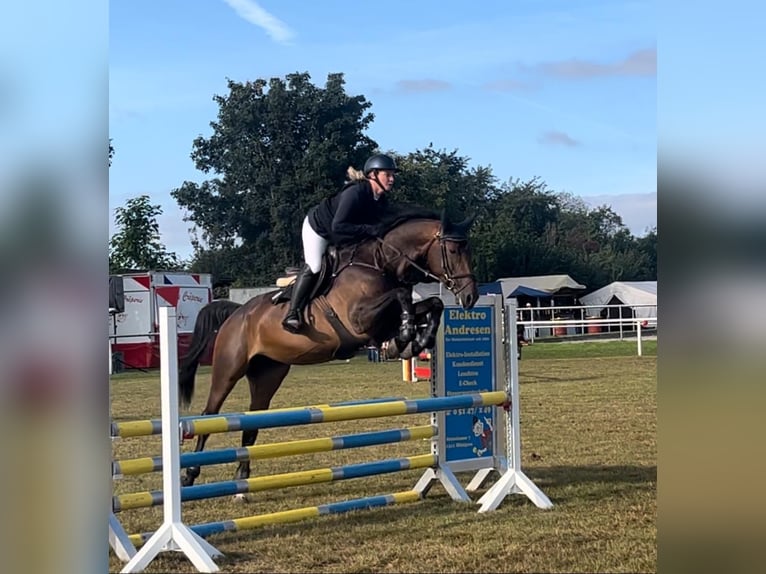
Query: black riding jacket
pixel 349 216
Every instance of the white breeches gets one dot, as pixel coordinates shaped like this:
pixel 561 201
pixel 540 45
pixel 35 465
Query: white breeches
pixel 314 246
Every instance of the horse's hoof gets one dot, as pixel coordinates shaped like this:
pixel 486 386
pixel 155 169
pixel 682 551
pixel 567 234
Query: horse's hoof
pixel 392 351
pixel 426 345
pixel 241 498
pixel 407 353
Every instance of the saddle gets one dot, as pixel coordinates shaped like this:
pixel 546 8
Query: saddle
pixel 330 264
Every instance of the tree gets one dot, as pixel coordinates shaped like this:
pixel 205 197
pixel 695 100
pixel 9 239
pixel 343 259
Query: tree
pixel 531 230
pixel 278 147
pixel 516 235
pixel 647 246
pixel 136 246
pixel 444 180
pixel 111 152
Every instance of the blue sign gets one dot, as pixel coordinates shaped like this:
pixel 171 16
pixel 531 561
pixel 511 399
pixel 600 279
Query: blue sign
pixel 469 366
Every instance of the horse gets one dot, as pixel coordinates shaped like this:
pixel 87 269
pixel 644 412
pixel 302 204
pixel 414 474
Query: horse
pixel 367 298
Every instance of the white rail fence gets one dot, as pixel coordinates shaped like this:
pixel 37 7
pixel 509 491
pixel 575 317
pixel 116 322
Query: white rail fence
pixel 594 321
pixel 638 328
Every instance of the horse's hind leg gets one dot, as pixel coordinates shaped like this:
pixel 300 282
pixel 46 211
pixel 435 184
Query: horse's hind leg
pixel 265 376
pixel 228 368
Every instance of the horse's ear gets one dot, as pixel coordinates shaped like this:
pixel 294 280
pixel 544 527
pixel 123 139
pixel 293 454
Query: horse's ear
pixel 457 231
pixel 448 228
pixel 465 225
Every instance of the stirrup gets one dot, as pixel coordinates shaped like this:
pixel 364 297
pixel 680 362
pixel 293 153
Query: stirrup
pixel 293 324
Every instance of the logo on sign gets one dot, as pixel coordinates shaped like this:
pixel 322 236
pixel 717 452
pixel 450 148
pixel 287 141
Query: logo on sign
pixel 191 297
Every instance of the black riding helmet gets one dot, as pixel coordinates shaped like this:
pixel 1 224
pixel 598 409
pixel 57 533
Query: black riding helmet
pixel 379 161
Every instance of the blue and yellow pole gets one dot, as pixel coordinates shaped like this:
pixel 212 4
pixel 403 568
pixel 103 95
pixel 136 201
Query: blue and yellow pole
pixel 257 484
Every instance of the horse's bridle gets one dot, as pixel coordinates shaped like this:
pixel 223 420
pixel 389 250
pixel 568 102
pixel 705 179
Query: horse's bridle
pixel 448 278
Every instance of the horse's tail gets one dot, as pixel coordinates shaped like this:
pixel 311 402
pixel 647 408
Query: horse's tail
pixel 209 320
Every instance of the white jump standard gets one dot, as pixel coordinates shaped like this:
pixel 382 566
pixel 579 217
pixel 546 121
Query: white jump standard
pixel 474 406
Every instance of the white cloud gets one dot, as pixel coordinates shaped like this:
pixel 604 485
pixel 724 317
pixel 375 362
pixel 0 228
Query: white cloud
pixel 558 138
pixel 426 85
pixel 507 85
pixel 253 13
pixel 639 63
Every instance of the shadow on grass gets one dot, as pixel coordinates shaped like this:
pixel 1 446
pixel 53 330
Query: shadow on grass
pixel 563 484
pixel 593 481
pixel 526 379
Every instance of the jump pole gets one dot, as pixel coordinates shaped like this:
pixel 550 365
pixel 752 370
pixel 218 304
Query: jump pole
pixel 128 429
pixel 143 465
pixel 173 534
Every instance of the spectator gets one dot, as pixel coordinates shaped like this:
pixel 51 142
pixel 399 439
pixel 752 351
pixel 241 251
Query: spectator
pixel 373 354
pixel 520 339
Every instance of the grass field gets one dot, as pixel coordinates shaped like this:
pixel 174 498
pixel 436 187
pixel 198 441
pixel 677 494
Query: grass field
pixel 588 414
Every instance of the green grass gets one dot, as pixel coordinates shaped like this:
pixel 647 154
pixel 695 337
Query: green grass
pixel 588 441
pixel 584 349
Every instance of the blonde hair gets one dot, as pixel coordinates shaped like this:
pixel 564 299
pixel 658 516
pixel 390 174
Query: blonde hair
pixel 354 174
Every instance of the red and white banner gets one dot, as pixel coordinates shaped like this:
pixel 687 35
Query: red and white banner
pixel 136 328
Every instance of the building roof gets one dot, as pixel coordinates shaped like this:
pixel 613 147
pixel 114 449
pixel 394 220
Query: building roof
pixel 547 284
pixel 529 292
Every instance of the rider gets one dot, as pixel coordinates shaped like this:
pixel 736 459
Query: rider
pixel 344 218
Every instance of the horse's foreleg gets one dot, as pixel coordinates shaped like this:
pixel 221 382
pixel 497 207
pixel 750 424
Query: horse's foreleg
pixel 390 315
pixel 407 316
pixel 385 314
pixel 428 313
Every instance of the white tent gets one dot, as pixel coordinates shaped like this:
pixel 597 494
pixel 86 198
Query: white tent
pixel 422 291
pixel 549 283
pixel 625 293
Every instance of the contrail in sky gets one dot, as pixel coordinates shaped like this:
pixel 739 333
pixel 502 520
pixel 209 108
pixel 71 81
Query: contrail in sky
pixel 253 13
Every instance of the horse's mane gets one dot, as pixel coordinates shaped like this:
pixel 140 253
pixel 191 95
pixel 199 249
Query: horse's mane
pixel 393 216
pixel 396 214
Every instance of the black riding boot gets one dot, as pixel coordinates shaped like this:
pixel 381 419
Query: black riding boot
pixel 304 283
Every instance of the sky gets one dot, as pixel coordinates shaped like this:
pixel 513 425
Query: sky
pixel 560 90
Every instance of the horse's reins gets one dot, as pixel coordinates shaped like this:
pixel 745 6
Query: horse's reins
pixel 448 279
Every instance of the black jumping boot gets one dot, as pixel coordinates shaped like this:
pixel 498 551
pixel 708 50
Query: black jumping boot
pixel 304 283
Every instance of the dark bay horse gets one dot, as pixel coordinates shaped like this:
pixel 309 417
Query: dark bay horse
pixel 369 299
